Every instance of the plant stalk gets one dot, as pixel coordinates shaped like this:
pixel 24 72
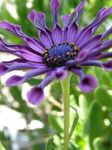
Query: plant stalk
pixel 66 103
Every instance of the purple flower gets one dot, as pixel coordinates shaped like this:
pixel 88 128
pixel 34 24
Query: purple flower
pixel 57 51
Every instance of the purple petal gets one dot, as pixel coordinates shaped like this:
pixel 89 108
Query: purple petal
pixel 91 63
pixel 92 43
pixel 36 72
pixel 31 56
pixel 35 95
pixel 65 19
pixel 72 33
pixel 103 17
pixel 100 18
pixel 104 55
pixel 79 10
pixel 88 83
pixel 64 35
pixel 82 55
pixel 105 45
pixel 78 71
pixel 3 69
pixel 55 4
pixel 16 29
pixel 6 67
pixel 38 19
pixel 57 34
pixel 83 37
pixel 107 33
pixel 60 73
pixel 45 39
pixel 14 80
pixel 108 65
pixel 75 16
pixel 34 44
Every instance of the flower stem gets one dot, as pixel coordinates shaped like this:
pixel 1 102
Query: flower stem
pixel 66 94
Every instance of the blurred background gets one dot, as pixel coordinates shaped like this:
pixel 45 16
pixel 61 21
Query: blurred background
pixel 26 127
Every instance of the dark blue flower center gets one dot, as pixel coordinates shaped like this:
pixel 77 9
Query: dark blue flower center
pixel 57 55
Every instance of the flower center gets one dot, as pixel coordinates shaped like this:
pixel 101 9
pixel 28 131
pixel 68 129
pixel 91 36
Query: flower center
pixel 57 55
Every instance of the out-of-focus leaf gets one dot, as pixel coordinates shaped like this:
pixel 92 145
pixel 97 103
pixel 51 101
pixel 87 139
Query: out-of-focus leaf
pixel 94 124
pixel 103 98
pixel 33 82
pixel 50 144
pixel 74 122
pixel 1 146
pixel 56 90
pixel 56 122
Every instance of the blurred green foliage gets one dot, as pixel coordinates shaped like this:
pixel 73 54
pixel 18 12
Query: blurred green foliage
pixel 94 128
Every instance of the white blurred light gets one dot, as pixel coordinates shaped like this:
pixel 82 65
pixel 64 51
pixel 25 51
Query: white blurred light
pixel 104 108
pixel 12 10
pixel 35 124
pixel 29 5
pixel 9 117
pixel 107 122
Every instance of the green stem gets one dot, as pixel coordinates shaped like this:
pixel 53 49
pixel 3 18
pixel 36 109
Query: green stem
pixel 66 94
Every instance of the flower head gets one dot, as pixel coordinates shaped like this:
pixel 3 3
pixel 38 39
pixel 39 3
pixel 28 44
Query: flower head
pixel 57 50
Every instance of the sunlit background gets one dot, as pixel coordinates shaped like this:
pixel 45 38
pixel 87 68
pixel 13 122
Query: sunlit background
pixel 26 127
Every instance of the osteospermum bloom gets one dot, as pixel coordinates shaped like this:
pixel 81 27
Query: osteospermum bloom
pixel 57 51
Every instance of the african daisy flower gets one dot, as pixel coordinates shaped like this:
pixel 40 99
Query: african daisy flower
pixel 58 51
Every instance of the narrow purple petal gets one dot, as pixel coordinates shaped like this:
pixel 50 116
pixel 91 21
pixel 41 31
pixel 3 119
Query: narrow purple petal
pixel 105 45
pixel 14 80
pixel 104 55
pixel 38 19
pixel 92 43
pixel 88 83
pixel 108 65
pixel 57 34
pixel 82 55
pixel 16 30
pixel 65 19
pixel 60 73
pixel 64 35
pixel 75 16
pixel 72 33
pixel 45 39
pixel 6 67
pixel 55 4
pixel 78 71
pixel 100 18
pixel 30 56
pixel 3 69
pixel 84 36
pixel 36 72
pixel 35 95
pixel 91 63
pixel 106 33
pixel 79 10
pixel 103 17
pixel 21 51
